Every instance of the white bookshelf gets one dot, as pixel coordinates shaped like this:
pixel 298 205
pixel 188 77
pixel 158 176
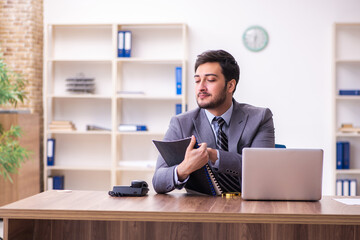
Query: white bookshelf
pixel 98 160
pixel 346 76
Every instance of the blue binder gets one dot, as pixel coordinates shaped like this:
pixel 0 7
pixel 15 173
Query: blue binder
pixel 346 155
pixel 178 77
pixel 58 182
pixel 51 152
pixel 127 43
pixel 121 37
pixel 339 155
pixel 178 109
pixel 349 92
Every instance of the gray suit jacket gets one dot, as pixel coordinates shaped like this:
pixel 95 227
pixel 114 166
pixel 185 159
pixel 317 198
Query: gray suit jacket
pixel 249 127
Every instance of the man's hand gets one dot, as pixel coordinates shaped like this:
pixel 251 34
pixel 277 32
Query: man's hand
pixel 194 159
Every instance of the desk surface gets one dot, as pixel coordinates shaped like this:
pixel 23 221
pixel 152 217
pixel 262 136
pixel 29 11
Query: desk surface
pixel 178 207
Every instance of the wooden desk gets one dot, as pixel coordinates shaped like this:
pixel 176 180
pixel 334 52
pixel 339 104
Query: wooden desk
pixel 95 215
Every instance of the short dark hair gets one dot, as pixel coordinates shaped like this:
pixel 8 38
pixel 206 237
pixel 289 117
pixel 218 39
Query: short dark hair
pixel 228 64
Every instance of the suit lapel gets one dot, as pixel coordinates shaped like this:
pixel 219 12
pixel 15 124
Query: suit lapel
pixel 237 124
pixel 203 129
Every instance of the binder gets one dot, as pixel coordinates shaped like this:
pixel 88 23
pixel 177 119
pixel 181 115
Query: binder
pixel 50 183
pixel 121 37
pixel 339 155
pixel 178 78
pixel 127 43
pixel 131 128
pixel 349 92
pixel 353 186
pixel 202 180
pixel 339 187
pixel 50 152
pixel 346 155
pixel 346 187
pixel 178 108
pixel 58 182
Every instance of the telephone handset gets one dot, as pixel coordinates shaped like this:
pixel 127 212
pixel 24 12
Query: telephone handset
pixel 138 188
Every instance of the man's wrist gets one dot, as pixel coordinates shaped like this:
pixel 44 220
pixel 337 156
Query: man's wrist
pixel 213 155
pixel 181 173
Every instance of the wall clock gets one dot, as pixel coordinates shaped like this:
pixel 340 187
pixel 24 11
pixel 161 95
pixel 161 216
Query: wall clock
pixel 255 38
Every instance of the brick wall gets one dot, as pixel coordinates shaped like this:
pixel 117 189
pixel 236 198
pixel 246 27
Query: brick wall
pixel 21 44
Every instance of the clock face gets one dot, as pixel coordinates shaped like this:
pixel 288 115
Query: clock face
pixel 255 38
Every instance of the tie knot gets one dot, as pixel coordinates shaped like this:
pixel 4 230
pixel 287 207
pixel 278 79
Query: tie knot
pixel 220 121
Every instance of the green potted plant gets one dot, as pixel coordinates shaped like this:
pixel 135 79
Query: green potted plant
pixel 12 91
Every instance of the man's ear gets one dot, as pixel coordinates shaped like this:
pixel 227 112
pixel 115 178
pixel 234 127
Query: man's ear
pixel 231 85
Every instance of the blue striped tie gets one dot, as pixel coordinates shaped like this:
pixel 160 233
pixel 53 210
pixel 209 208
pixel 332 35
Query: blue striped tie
pixel 228 183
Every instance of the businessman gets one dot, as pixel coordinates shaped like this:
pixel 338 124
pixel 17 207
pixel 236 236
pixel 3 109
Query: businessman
pixel 222 127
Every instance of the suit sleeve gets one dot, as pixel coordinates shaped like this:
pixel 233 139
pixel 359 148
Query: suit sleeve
pixel 260 136
pixel 163 179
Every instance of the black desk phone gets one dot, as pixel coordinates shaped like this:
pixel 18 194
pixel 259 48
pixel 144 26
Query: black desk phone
pixel 138 188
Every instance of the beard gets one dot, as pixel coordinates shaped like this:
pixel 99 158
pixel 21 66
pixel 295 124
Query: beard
pixel 216 102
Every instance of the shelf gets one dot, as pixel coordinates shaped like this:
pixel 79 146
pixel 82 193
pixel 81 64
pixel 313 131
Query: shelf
pixel 80 60
pixel 348 61
pixel 152 61
pixel 148 97
pixel 80 96
pixel 152 25
pixel 149 133
pixel 348 171
pixel 148 83
pixel 340 134
pixel 80 168
pixel 347 97
pixel 80 132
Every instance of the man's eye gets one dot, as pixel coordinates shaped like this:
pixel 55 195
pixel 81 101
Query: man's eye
pixel 197 80
pixel 211 80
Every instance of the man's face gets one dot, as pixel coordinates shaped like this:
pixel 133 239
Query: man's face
pixel 210 87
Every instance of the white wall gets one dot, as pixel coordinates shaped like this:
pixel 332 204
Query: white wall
pixel 292 76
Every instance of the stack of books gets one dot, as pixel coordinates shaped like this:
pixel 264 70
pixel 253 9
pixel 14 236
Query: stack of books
pixel 80 84
pixel 349 128
pixel 62 126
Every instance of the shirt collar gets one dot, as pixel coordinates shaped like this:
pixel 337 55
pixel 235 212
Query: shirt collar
pixel 226 116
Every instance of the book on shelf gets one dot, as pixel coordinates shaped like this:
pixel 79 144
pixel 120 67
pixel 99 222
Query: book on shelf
pixel 131 128
pixel 342 155
pixel 55 182
pixel 178 78
pixel 350 92
pixel 202 180
pixel 124 43
pixel 349 128
pixel 80 84
pixel 178 108
pixel 127 43
pixel 346 187
pixel 121 35
pixel 62 126
pixel 96 128
pixel 50 149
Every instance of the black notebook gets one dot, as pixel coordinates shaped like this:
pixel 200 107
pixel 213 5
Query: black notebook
pixel 202 180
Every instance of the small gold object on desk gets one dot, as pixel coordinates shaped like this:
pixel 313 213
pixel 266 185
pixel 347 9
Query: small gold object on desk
pixel 231 194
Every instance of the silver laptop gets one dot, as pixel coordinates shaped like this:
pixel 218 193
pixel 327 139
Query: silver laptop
pixel 281 174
